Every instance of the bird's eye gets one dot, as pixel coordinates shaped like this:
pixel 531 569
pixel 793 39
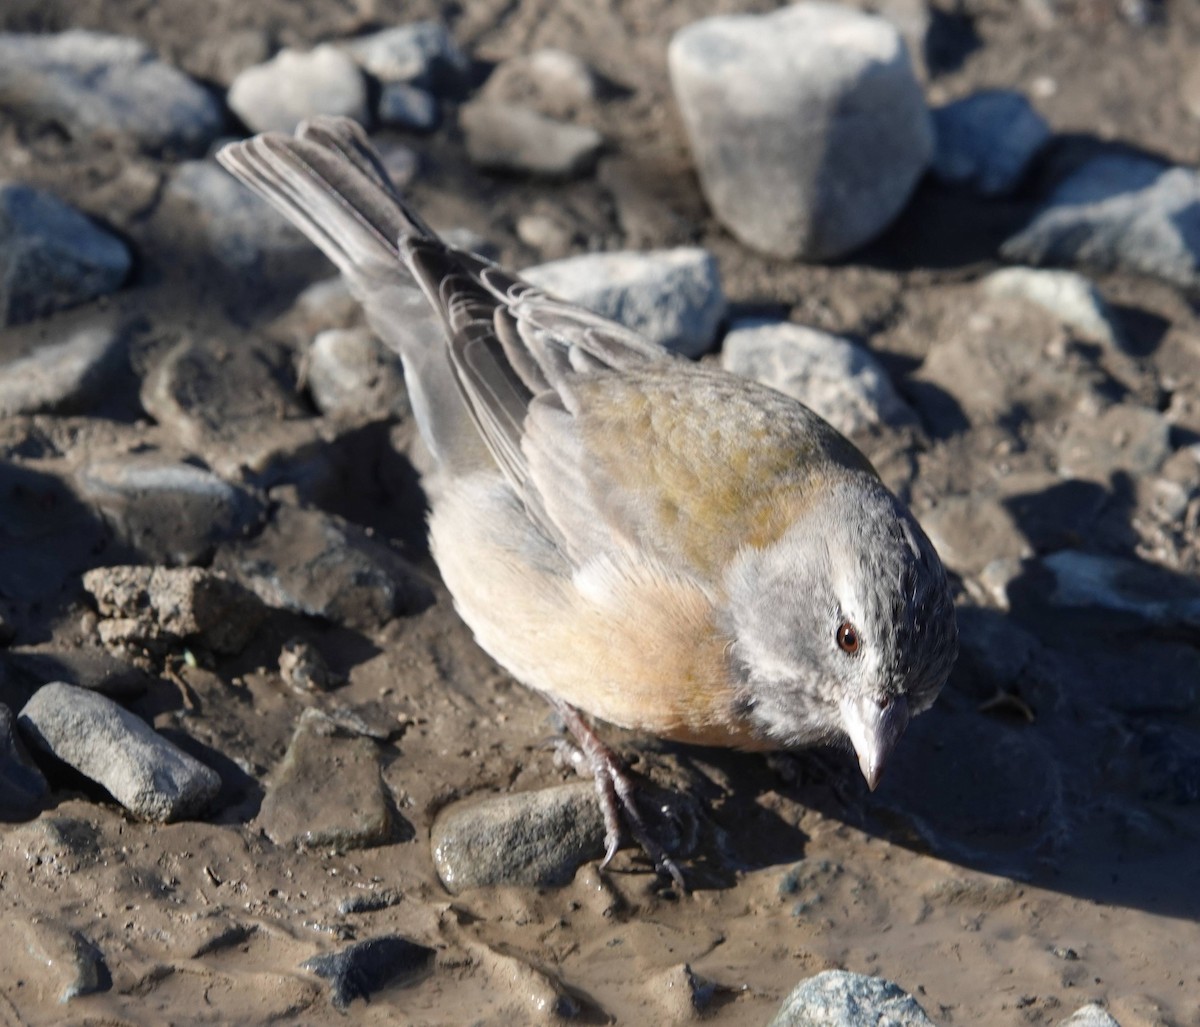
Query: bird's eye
pixel 847 638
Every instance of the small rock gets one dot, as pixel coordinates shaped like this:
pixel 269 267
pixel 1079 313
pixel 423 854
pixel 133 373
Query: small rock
pixel 361 969
pixel 100 85
pixel 350 810
pixel 1125 437
pixel 531 839
pixel 987 141
pixel 73 961
pixel 144 772
pixel 325 304
pixel 63 377
pixel 808 127
pixel 51 256
pixel 1069 296
pixel 166 607
pixel 506 137
pixel 969 532
pixel 546 233
pixel 681 993
pixel 423 54
pixel 303 667
pixel 836 998
pixel 294 85
pixel 539 992
pixel 320 565
pixel 169 512
pixel 23 789
pixel 1118 213
pixel 670 297
pixel 839 380
pixel 370 902
pixel 407 107
pixel 1091 1015
pixel 552 82
pixel 352 375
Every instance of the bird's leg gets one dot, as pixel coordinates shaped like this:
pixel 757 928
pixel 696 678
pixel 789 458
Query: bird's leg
pixel 615 788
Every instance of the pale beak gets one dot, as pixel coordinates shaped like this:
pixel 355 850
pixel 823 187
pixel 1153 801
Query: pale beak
pixel 874 731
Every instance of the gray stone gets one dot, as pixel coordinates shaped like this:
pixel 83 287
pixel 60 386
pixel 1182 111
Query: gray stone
pixel 671 297
pixel 1118 213
pixel 969 531
pixel 303 667
pixel 75 963
pixel 423 54
pixel 294 85
pixel 63 377
pixel 164 607
pixel 320 565
pixel 23 790
pixel 530 839
pixel 987 141
pixel 808 127
pixel 352 375
pixel 842 382
pixel 1137 592
pixel 52 256
pixel 837 998
pixel 349 811
pixel 407 107
pixel 510 138
pixel 145 773
pixel 1069 296
pixel 1124 437
pixel 100 85
pixel 1091 1015
pixel 553 82
pixel 170 512
pixel 361 969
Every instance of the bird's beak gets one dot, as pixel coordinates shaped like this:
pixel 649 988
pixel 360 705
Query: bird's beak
pixel 874 731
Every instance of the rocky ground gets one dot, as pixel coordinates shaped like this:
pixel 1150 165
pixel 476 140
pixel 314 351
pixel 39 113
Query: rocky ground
pixel 252 767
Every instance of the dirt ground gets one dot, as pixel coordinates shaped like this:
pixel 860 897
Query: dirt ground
pixel 1010 869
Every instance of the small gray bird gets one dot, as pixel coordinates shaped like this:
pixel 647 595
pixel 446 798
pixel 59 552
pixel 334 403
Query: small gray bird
pixel 656 543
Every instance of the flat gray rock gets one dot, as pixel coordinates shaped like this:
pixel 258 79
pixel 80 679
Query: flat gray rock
pixel 530 839
pixel 510 138
pixel 808 127
pixel 145 773
pixel 1118 213
pixel 294 85
pixel 1092 1015
pixel 423 54
pixel 1068 295
pixel 987 141
pixel 837 998
pixel 23 789
pixel 100 85
pixel 352 375
pixel 63 377
pixel 52 256
pixel 671 297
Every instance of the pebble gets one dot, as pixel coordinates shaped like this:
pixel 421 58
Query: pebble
pixel 1124 437
pixel 841 381
pixel 52 256
pixel 145 773
pixel 987 141
pixel 682 994
pixel 353 376
pixel 303 667
pixel 169 512
pixel 296 84
pixel 75 963
pixel 23 789
pixel 808 127
pixel 1118 212
pixel 529 839
pixel 551 81
pixel 407 107
pixel 837 998
pixel 361 969
pixel 423 54
pixel 106 86
pixel 64 377
pixel 1068 295
pixel 351 809
pixel 510 138
pixel 320 565
pixel 670 297
pixel 164 607
pixel 1091 1015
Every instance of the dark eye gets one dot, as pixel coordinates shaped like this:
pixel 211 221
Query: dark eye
pixel 847 638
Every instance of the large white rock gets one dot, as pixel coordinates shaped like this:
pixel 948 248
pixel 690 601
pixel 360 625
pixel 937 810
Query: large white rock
pixel 294 85
pixel 808 126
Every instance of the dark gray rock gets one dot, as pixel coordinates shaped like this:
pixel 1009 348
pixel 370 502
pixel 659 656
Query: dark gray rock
pixel 52 256
pixel 807 125
pixel 294 85
pixel 361 969
pixel 23 790
pixel 63 377
pixel 423 54
pixel 77 965
pixel 317 564
pixel 145 773
pixel 987 141
pixel 552 82
pixel 509 138
pixel 671 297
pixel 352 375
pixel 407 107
pixel 837 998
pixel 88 666
pixel 530 839
pixel 100 85
pixel 1118 213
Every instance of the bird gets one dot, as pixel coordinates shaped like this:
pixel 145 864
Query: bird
pixel 643 539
